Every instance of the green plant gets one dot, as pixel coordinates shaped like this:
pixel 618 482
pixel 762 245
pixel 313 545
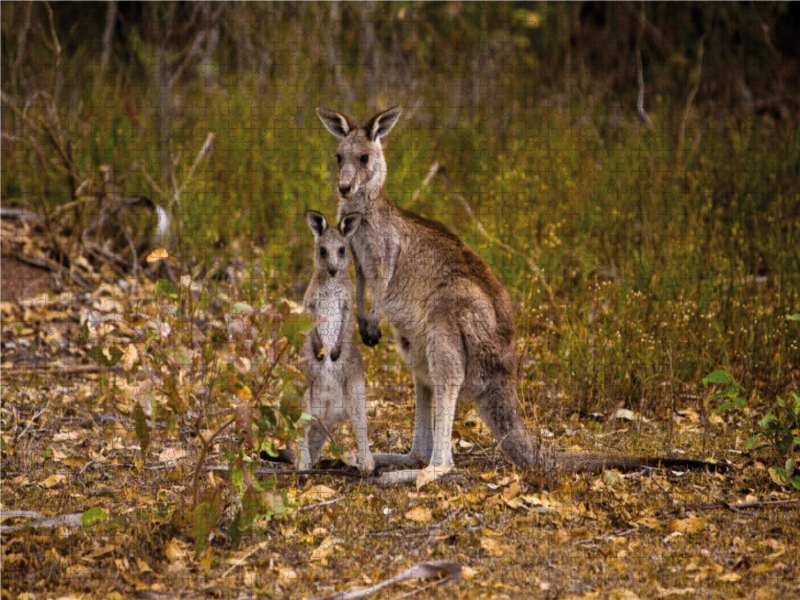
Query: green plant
pixel 780 426
pixel 189 371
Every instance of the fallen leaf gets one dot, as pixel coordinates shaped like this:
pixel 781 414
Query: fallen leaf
pixel 157 254
pixel 171 454
pixel 688 525
pixel 318 493
pixel 129 357
pixel 53 481
pixel 430 474
pixel 493 547
pixel 419 514
pixel 176 550
pixel 325 549
pixel 672 592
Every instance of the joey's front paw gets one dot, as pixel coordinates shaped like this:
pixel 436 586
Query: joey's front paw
pixel 335 353
pixel 370 332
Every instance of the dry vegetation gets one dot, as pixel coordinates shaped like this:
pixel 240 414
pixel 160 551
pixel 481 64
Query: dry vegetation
pixel 642 206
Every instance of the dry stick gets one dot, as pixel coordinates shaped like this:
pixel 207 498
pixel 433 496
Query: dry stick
pixel 640 101
pixel 202 459
pixel 696 75
pixel 252 551
pixel 76 370
pixel 175 201
pixel 482 230
pixel 740 506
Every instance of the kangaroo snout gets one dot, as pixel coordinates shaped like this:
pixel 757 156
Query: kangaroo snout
pixel 333 272
pixel 344 189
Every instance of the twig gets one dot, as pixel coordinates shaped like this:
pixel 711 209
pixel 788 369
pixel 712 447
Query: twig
pixel 608 536
pixel 175 201
pixel 640 102
pixel 431 174
pixel 740 506
pixel 482 230
pixel 696 76
pixel 252 551
pixel 334 501
pixel 202 458
pixel 77 370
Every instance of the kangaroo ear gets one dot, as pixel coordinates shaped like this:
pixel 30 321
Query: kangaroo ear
pixel 382 123
pixel 317 222
pixel 349 224
pixel 337 123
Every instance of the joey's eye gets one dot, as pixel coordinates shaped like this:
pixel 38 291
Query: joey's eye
pixel 364 158
pixel 341 251
pixel 323 252
pixel 339 158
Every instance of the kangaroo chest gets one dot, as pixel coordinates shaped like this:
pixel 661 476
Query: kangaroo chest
pixel 329 300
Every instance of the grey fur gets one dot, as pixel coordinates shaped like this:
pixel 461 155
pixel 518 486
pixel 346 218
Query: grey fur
pixel 331 360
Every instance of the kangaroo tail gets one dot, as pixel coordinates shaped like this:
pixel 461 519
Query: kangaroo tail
pixel 499 409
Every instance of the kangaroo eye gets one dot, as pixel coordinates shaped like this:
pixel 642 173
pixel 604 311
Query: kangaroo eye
pixel 364 158
pixel 339 158
pixel 341 251
pixel 323 252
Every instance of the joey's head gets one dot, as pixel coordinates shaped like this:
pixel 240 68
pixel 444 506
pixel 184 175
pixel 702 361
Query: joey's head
pixel 331 254
pixel 362 167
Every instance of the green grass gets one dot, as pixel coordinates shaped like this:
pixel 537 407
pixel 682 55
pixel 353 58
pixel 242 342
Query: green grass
pixel 654 264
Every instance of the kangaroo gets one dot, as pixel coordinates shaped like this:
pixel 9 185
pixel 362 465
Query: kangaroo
pixel 333 364
pixel 452 318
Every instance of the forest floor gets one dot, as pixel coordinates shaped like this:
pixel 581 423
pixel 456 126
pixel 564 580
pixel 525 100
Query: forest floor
pixel 70 451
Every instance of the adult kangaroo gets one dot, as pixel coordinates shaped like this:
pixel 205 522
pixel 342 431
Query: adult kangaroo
pixel 453 319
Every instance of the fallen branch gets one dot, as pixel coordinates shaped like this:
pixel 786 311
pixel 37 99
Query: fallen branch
pixel 55 371
pixel 423 570
pixel 73 520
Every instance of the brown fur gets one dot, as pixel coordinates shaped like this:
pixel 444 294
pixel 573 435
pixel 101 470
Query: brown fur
pixel 453 318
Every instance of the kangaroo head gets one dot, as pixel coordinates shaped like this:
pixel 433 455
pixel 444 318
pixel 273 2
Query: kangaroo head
pixel 362 167
pixel 331 254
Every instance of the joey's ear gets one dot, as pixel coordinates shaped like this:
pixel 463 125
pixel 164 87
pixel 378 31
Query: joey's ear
pixel 317 222
pixel 337 123
pixel 349 224
pixel 382 123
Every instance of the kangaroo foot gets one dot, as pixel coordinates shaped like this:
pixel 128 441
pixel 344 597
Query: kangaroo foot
pixel 397 460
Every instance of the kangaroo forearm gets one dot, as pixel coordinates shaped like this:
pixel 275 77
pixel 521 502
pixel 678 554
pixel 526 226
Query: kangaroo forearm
pixel 316 342
pixel 360 304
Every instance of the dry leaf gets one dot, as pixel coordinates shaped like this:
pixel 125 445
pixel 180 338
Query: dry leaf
pixel 53 481
pixel 673 592
pixel 325 549
pixel 157 255
pixel 650 523
pixel 729 577
pixel 171 454
pixel 129 357
pixel 688 525
pixel 318 493
pixel 176 550
pixel 430 474
pixel 493 547
pixel 419 514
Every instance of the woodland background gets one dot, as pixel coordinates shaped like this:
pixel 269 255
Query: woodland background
pixel 630 171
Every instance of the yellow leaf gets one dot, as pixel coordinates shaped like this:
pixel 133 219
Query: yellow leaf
pixel 176 550
pixel 650 523
pixel 430 474
pixel 286 575
pixel 493 547
pixel 325 549
pixel 171 454
pixel 244 393
pixel 419 514
pixel 53 481
pixel 129 357
pixel 318 493
pixel 675 592
pixel 157 254
pixel 143 566
pixel 688 525
pixel 468 572
pixel 729 577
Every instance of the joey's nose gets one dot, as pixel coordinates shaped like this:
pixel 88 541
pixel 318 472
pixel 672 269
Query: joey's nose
pixel 333 272
pixel 344 189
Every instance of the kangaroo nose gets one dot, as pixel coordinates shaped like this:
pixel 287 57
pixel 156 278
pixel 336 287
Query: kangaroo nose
pixel 343 189
pixel 332 272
